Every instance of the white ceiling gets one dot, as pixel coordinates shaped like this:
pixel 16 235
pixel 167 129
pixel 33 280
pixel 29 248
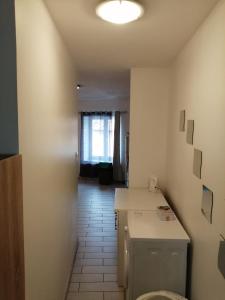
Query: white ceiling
pixel 105 85
pixel 100 48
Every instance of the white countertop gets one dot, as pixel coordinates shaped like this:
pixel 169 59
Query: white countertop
pixel 147 225
pixel 138 199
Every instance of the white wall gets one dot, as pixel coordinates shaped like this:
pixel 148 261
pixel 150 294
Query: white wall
pixel 197 85
pixel 101 105
pixel 150 89
pixel 199 88
pixel 48 141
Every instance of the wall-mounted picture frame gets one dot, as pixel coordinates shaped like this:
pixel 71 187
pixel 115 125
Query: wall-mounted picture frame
pixel 221 256
pixel 182 121
pixel 197 163
pixel 190 132
pixel 207 203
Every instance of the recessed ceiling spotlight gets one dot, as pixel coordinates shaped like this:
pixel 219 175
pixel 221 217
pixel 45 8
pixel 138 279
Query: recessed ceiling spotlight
pixel 119 11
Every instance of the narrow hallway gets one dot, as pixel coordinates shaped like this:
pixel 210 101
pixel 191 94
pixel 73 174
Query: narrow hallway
pixel 94 272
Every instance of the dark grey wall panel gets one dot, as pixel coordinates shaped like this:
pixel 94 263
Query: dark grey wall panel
pixel 8 77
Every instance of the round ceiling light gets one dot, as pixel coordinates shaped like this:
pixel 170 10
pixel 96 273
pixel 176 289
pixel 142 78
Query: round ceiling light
pixel 119 11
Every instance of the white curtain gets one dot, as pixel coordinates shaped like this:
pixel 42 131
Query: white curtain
pixel 97 137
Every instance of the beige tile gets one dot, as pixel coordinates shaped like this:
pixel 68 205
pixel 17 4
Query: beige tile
pixel 94 222
pixel 77 269
pixel 110 228
pixel 110 249
pixel 81 226
pixel 101 255
pixel 90 249
pixel 86 209
pixel 114 296
pixel 94 214
pixel 83 222
pixel 74 286
pixel 97 244
pixel 81 243
pixel 92 230
pixel 103 206
pixel 81 255
pixel 110 277
pixel 101 233
pixel 96 218
pixel 82 219
pixel 89 262
pixel 81 233
pixel 110 225
pixel 85 296
pixel 100 287
pixel 110 262
pixel 110 222
pixel 97 226
pixel 108 214
pixel 83 214
pixel 91 239
pixel 110 239
pixel 99 269
pixel 108 218
pixel 100 244
pixel 83 207
pixel 87 278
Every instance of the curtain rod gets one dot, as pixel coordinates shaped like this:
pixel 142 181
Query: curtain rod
pixel 102 111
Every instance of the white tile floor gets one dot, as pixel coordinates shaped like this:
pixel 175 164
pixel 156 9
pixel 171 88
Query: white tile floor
pixel 94 272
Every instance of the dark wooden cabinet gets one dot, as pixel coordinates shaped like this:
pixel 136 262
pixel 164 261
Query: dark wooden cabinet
pixel 12 282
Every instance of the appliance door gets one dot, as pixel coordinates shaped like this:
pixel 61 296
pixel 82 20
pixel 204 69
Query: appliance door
pixel 121 223
pixel 126 257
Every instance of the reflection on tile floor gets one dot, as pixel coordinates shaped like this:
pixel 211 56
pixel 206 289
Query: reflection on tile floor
pixel 94 272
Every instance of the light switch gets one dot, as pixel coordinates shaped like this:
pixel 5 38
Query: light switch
pixel 190 132
pixel 197 164
pixel 207 203
pixel 221 258
pixel 182 120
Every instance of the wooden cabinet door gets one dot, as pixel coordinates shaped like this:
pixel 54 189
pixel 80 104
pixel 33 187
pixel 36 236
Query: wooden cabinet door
pixel 12 280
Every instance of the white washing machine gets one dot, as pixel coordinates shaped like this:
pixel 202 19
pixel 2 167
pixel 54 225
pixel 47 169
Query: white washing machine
pixel 126 200
pixel 155 255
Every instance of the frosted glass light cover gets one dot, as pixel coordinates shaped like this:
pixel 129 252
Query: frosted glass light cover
pixel 119 12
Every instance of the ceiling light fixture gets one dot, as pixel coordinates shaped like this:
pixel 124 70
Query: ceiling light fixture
pixel 119 11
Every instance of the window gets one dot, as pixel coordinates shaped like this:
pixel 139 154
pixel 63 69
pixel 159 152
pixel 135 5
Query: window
pixel 97 137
